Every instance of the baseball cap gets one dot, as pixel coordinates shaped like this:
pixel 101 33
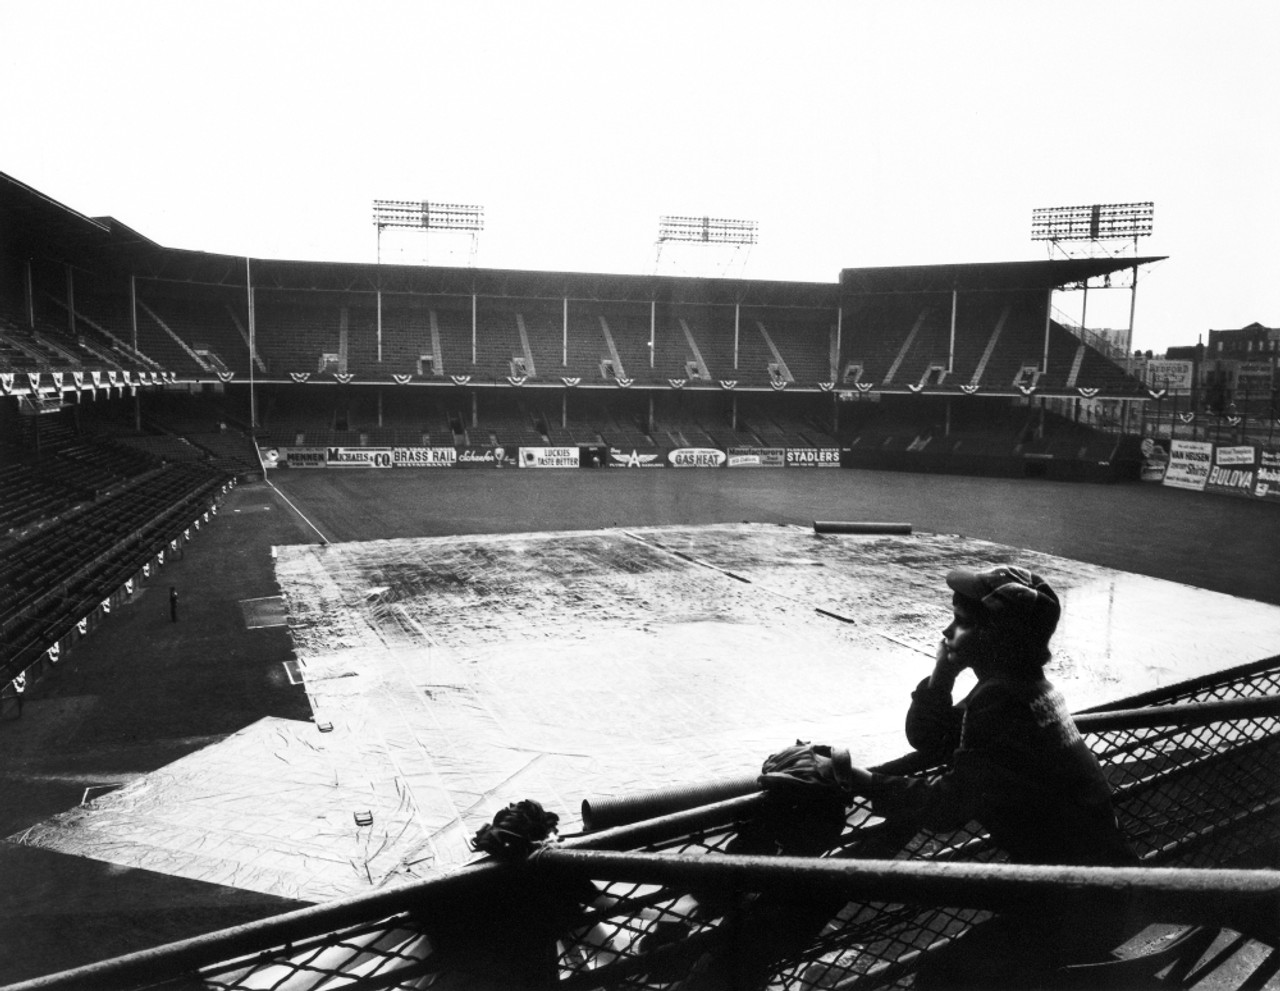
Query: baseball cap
pixel 1011 595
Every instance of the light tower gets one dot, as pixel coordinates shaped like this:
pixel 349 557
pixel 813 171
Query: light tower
pixel 1094 231
pixel 424 217
pixel 711 238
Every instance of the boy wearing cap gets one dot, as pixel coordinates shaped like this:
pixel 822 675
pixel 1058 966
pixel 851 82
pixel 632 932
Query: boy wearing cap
pixel 1017 765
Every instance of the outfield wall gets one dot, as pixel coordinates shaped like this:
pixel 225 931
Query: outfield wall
pixel 1240 470
pixel 1245 471
pixel 584 456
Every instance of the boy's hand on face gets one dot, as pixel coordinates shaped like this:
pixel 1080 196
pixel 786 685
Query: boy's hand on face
pixel 947 666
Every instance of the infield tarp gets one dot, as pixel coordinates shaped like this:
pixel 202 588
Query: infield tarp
pixel 456 675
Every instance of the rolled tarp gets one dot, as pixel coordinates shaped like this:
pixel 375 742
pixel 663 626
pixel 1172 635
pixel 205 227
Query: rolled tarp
pixel 839 526
pixel 621 810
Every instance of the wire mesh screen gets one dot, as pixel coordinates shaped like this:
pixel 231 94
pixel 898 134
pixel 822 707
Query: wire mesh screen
pixel 1190 796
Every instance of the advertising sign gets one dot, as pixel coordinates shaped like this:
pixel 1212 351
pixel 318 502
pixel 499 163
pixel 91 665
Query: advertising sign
pixel 270 456
pixel 757 457
pixel 1155 459
pixel 593 456
pixel 1226 480
pixel 635 458
pixel 548 457
pixel 1245 454
pixel 696 457
pixel 813 457
pixel 1267 483
pixel 358 457
pixel 303 457
pixel 424 457
pixel 1189 464
pixel 485 457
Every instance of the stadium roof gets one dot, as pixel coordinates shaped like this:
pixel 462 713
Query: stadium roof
pixel 40 225
pixel 29 217
pixel 976 276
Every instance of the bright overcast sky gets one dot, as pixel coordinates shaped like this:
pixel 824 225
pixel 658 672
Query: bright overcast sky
pixel 856 134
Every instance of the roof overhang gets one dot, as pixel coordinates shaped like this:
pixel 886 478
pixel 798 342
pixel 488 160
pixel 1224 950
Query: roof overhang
pixel 984 276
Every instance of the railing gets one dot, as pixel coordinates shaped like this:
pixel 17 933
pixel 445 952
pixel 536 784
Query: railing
pixel 742 893
pixel 1095 341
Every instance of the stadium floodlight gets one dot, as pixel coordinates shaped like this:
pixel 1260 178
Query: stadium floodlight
pixel 707 230
pixel 423 217
pixel 1097 222
pixel 428 216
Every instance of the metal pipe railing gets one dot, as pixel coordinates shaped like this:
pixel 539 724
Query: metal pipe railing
pixel 1248 900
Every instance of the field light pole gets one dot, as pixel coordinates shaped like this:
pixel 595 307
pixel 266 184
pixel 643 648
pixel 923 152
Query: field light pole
pixel 706 231
pixel 425 216
pixel 1096 223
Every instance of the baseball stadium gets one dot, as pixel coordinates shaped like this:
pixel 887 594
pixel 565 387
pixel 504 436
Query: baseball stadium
pixel 382 625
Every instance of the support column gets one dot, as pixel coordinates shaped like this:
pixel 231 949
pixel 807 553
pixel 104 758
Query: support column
pixel 951 346
pixel 473 331
pixel 737 313
pixel 253 400
pixel 835 370
pixel 71 301
pixel 653 329
pixel 1048 320
pixel 564 329
pixel 1133 305
pixel 133 309
pixel 379 296
pixel 30 289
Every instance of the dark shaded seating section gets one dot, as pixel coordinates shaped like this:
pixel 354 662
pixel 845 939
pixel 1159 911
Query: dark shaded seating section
pixel 80 512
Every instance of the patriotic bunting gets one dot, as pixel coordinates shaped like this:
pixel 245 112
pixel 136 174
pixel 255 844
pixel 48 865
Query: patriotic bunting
pixel 1026 390
pixel 570 380
pixel 299 377
pixel 728 383
pixel 78 379
pixel 401 379
pixel 826 386
pixel 916 386
pixel 460 379
pixel 106 605
pixel 676 383
pixel 864 386
pixel 57 380
pixel 33 381
pixel 113 377
pixel 968 390
pixel 1235 421
pixel 517 380
pixel 624 383
pixel 128 586
pixel 6 382
pixel 82 627
pixel 1157 393
pixel 226 376
pixel 778 384
pixel 1088 392
pixel 344 377
pixel 97 379
pixel 55 652
pixel 1186 417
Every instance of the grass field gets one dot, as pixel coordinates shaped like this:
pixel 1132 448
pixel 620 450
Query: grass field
pixel 143 691
pixel 1214 542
